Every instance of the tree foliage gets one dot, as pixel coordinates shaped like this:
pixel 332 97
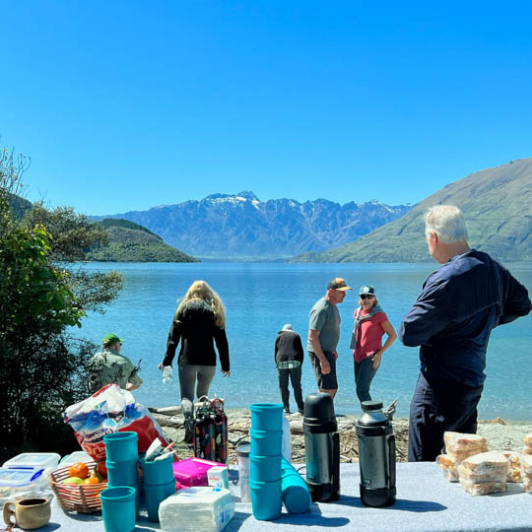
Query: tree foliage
pixel 42 367
pixel 72 233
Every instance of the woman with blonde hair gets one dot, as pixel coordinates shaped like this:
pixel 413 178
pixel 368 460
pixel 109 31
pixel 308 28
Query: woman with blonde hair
pixel 199 322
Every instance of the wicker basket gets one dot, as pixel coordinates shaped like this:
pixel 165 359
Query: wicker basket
pixel 82 498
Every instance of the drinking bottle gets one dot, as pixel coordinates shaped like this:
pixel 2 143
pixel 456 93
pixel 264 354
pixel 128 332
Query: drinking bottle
pixel 167 375
pixel 376 447
pixel 322 447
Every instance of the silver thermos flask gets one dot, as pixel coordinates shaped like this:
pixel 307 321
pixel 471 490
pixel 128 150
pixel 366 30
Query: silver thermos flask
pixel 376 447
pixel 322 448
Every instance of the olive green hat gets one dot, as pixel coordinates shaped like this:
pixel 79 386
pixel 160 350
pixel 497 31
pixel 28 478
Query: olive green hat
pixel 110 339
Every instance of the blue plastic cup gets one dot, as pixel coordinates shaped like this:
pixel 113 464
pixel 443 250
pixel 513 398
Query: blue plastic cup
pixel 155 495
pixel 121 446
pixel 158 471
pixel 295 492
pixel 266 499
pixel 118 509
pixel 266 416
pixel 266 442
pixel 265 468
pixel 122 473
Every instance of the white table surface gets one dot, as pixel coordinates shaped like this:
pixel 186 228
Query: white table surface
pixel 425 502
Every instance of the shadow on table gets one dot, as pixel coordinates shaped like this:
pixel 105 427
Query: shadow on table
pixel 50 527
pixel 404 505
pixel 311 518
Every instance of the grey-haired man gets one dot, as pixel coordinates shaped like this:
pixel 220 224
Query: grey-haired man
pixel 451 321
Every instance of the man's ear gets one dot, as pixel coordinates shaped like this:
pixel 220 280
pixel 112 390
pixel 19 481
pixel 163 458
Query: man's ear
pixel 433 237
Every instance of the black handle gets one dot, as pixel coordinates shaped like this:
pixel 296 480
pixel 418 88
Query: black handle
pixel 390 440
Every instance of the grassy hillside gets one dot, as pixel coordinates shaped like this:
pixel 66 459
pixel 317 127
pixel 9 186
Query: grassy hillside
pixel 130 242
pixel 496 202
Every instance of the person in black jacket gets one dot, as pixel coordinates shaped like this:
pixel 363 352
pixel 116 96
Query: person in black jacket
pixel 451 321
pixel 289 358
pixel 199 322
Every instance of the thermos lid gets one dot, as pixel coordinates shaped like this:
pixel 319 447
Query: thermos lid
pixel 319 412
pixel 371 406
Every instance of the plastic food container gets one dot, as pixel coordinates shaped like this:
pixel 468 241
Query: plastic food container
pixel 76 456
pixel 193 471
pixel 17 482
pixel 44 460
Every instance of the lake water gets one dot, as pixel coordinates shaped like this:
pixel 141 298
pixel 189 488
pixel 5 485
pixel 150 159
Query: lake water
pixel 260 298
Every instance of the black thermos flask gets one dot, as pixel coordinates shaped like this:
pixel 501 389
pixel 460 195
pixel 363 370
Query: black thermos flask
pixel 376 447
pixel 322 448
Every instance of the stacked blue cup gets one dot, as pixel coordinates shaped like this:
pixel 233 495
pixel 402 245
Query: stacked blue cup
pixel 159 484
pixel 122 459
pixel 296 495
pixel 265 460
pixel 118 509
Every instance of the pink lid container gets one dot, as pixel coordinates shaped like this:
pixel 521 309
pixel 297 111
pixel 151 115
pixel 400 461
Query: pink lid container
pixel 193 471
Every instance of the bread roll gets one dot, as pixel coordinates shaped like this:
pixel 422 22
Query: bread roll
pixel 484 488
pixel 491 462
pixel 460 441
pixel 447 465
pixel 478 478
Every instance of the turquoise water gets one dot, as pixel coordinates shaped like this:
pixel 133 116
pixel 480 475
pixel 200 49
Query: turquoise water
pixel 260 298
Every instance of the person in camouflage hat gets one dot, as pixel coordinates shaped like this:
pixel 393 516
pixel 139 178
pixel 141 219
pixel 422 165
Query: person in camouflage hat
pixel 111 367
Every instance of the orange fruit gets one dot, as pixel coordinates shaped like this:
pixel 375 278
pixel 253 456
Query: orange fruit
pixel 79 469
pixel 91 480
pixel 97 475
pixel 102 468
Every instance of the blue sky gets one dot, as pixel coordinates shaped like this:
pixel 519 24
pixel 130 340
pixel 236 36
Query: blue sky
pixel 127 104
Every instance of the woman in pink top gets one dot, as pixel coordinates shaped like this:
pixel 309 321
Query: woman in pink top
pixel 371 323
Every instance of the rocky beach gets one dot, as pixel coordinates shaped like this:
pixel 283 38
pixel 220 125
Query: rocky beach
pixel 500 434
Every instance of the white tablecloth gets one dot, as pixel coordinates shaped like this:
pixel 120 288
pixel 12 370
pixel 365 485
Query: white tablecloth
pixel 425 502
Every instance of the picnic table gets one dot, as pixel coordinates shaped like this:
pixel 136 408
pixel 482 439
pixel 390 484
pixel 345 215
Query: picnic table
pixel 425 501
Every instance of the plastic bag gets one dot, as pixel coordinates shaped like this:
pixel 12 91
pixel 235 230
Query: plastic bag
pixel 111 409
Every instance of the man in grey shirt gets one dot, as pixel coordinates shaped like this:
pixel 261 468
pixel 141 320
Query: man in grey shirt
pixel 324 335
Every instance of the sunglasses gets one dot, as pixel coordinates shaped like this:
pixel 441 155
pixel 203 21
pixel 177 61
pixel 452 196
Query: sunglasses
pixel 366 296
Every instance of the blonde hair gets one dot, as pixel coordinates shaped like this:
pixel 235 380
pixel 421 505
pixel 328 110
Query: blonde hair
pixel 200 290
pixel 375 301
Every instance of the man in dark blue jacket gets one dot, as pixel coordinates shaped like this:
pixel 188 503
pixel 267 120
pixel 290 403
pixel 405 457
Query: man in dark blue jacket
pixel 451 320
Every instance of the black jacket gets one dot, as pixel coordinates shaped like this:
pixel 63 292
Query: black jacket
pixel 453 317
pixel 288 346
pixel 196 328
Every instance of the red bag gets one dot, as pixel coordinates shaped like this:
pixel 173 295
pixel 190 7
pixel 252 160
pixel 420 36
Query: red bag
pixel 111 409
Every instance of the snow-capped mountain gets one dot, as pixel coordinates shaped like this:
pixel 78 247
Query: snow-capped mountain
pixel 233 226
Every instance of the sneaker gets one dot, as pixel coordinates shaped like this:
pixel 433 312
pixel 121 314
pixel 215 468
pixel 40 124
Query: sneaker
pixel 301 411
pixel 287 410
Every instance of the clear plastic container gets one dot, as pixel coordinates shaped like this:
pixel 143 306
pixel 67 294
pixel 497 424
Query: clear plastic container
pixel 44 460
pixel 242 455
pixel 76 456
pixel 16 482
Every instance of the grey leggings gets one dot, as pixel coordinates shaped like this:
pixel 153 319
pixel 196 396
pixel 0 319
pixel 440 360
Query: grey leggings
pixel 189 374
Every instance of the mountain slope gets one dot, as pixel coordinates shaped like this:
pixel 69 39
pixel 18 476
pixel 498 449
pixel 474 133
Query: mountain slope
pixel 223 226
pixel 130 242
pixel 497 205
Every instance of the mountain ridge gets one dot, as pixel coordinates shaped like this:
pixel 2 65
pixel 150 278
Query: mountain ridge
pixel 497 205
pixel 241 226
